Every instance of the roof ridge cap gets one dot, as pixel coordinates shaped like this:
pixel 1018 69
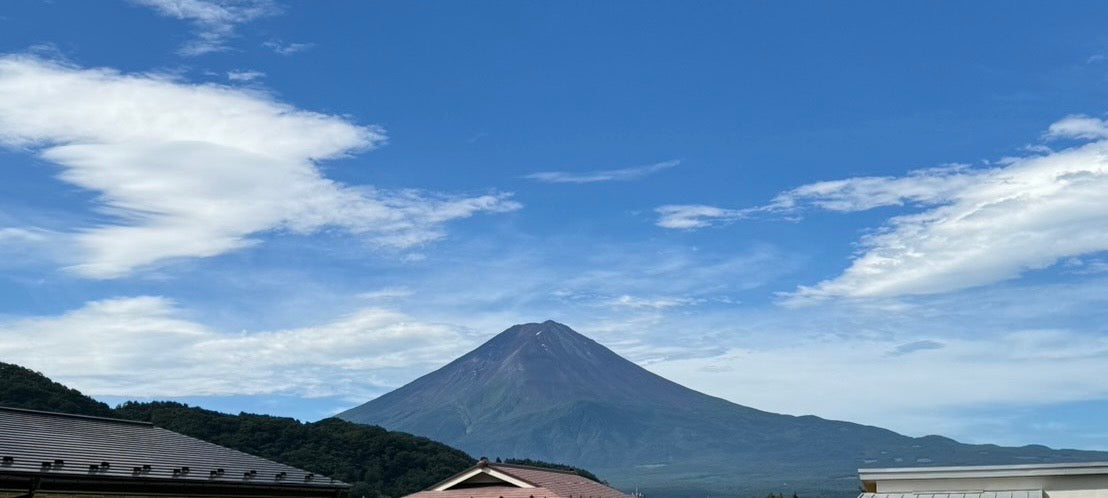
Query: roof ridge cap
pixel 76 415
pixel 532 467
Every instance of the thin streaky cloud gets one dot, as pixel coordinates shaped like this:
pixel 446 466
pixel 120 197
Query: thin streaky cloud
pixel 213 21
pixel 280 48
pixel 694 216
pixel 966 227
pixel 244 76
pixel 610 175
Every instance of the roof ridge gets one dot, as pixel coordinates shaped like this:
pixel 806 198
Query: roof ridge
pixel 75 415
pixel 532 467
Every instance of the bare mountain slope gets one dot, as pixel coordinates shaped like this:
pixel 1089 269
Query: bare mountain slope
pixel 542 390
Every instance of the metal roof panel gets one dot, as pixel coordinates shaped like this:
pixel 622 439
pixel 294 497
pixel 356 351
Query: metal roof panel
pixel 55 444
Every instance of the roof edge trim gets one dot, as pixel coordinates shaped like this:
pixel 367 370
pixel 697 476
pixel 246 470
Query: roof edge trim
pixel 503 476
pixel 74 415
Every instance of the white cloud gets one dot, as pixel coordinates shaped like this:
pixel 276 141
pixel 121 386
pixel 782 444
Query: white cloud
pixel 1079 127
pixel 971 226
pixel 23 235
pixel 987 226
pixel 1086 267
pixel 611 175
pixel 690 216
pixel 244 76
pixel 839 378
pixel 920 187
pixel 281 48
pixel 194 170
pixel 659 303
pixel 146 347
pixel 213 21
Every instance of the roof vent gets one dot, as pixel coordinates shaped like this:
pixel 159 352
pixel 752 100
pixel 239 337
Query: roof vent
pixel 8 460
pixel 147 468
pixel 93 468
pixel 176 472
pixel 212 473
pixel 185 470
pixel 58 462
pixel 280 476
pixel 136 470
pixel 46 465
pixel 309 476
pixel 105 465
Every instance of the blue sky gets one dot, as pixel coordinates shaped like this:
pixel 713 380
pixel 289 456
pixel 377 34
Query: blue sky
pixel 893 214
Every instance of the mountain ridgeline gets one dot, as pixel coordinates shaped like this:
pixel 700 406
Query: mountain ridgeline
pixel 544 391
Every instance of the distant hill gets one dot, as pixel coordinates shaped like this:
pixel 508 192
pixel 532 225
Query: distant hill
pixel 542 390
pixel 377 462
pixel 25 388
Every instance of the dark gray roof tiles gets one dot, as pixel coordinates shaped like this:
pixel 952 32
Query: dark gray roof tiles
pixel 54 444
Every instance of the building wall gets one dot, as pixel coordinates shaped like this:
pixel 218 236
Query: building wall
pixel 1095 486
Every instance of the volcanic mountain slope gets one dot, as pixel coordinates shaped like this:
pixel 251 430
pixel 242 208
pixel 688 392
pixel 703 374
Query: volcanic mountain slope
pixel 542 390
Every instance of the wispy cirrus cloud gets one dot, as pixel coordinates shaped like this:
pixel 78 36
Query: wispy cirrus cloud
pixel 213 21
pixel 692 216
pixel 920 188
pixel 970 226
pixel 610 175
pixel 982 225
pixel 655 302
pixel 281 48
pixel 915 346
pixel 194 170
pixel 244 76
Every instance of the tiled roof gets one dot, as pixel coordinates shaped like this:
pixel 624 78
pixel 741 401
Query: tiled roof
pixel 547 484
pixel 561 483
pixel 54 445
pixel 488 492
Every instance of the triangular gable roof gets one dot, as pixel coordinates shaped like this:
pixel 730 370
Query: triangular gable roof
pixel 483 474
pixel 486 480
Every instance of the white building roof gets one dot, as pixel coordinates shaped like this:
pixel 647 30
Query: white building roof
pixel 985 471
pixel 1027 493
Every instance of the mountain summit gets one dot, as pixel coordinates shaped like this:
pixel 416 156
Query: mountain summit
pixel 544 391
